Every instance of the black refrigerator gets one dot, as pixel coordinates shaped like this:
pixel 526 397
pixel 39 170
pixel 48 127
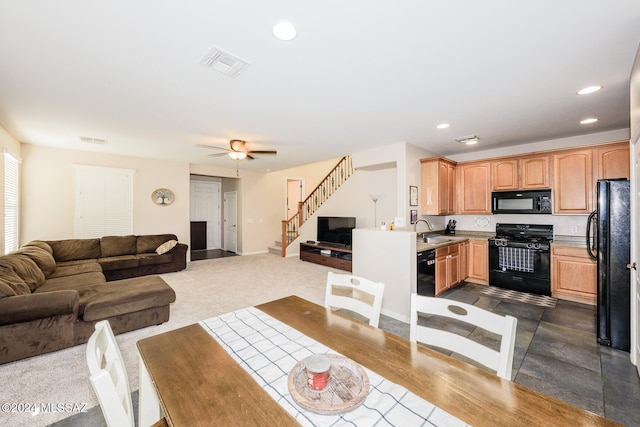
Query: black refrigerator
pixel 608 242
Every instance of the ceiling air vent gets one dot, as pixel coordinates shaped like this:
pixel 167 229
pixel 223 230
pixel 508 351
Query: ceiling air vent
pixel 90 140
pixel 224 62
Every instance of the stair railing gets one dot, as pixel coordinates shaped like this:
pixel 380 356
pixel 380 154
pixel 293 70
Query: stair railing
pixel 331 182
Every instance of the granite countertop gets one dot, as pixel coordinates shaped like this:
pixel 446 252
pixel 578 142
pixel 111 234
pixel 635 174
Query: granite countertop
pixel 575 241
pixel 460 236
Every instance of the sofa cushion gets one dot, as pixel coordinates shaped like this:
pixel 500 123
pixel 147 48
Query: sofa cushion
pixel 117 245
pixel 24 267
pixel 88 285
pixel 73 269
pixel 77 262
pixel 6 290
pixel 40 244
pixel 9 279
pixel 128 296
pixel 74 249
pixel 154 258
pixel 149 243
pixel 41 257
pixel 118 262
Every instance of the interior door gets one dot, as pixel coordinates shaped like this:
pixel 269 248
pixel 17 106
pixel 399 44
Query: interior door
pixel 231 221
pixel 205 206
pixel 635 251
pixel 294 195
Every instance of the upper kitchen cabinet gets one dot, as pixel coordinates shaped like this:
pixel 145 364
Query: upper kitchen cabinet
pixel 520 173
pixel 534 172
pixel 474 188
pixel 613 161
pixel 572 181
pixel 438 186
pixel 505 174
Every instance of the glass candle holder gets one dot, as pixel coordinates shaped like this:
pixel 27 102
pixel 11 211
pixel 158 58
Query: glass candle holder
pixel 318 369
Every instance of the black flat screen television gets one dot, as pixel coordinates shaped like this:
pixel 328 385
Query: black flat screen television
pixel 336 229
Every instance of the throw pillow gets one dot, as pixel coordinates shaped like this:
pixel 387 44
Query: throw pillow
pixel 6 290
pixel 9 278
pixel 166 247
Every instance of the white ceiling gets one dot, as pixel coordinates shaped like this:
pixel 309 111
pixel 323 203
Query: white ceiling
pixel 360 74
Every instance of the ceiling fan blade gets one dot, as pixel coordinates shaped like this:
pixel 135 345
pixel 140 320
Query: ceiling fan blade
pixel 263 152
pixel 218 154
pixel 211 146
pixel 249 157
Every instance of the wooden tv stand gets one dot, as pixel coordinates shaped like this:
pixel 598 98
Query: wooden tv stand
pixel 339 258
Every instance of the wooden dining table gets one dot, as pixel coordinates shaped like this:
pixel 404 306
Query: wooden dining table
pixel 196 382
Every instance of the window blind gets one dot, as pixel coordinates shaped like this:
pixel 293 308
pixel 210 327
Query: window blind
pixel 10 203
pixel 103 203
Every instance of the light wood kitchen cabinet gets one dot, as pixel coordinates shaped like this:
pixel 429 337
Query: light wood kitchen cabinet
pixel 463 271
pixel 474 188
pixel 520 173
pixel 478 263
pixel 613 161
pixel 534 172
pixel 573 181
pixel 573 274
pixel 447 267
pixel 505 174
pixel 438 179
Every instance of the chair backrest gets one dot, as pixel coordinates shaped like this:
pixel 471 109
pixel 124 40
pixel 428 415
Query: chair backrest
pixel 364 296
pixel 109 377
pixel 504 326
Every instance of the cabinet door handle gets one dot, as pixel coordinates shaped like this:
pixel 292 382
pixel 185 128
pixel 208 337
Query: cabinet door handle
pixel 631 266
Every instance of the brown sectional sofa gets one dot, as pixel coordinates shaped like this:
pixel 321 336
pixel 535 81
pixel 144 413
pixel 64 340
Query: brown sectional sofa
pixel 53 292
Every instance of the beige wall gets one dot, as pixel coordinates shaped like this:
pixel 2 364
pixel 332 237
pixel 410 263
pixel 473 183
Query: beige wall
pixel 48 185
pixel 11 145
pixel 635 96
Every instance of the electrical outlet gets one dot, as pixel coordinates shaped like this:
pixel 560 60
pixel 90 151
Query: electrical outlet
pixel 574 229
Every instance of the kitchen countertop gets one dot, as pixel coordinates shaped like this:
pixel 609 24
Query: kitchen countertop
pixel 460 236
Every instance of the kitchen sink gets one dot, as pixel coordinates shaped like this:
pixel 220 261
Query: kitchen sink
pixel 438 239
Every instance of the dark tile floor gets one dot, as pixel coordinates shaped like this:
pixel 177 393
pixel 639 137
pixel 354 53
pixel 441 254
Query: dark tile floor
pixel 198 255
pixel 557 354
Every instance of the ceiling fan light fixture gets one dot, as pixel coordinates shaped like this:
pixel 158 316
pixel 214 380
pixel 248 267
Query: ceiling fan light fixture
pixel 237 155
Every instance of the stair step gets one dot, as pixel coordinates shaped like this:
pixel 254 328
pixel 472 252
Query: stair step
pixel 275 250
pixel 277 243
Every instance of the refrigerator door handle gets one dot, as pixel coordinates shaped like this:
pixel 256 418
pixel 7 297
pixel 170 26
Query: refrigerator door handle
pixel 632 266
pixel 592 244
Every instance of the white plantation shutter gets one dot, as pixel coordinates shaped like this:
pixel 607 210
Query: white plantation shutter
pixel 10 203
pixel 104 205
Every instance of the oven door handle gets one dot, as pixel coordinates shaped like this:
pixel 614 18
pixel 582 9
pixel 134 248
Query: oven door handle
pixel 592 242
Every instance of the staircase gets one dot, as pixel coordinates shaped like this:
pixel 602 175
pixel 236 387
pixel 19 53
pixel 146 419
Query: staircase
pixel 290 227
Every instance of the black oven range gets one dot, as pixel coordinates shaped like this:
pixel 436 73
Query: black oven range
pixel 520 258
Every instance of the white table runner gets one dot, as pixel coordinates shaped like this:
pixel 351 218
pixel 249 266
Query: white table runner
pixel 269 349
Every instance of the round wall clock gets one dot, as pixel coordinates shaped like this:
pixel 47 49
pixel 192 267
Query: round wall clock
pixel 162 196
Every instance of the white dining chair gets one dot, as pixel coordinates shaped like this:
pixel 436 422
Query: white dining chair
pixel 505 326
pixel 363 296
pixel 109 377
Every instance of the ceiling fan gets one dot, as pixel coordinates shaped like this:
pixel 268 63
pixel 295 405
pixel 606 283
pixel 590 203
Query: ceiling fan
pixel 238 150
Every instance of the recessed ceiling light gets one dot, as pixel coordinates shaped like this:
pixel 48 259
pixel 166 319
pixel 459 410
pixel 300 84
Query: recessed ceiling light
pixel 589 89
pixel 588 121
pixel 443 126
pixel 284 31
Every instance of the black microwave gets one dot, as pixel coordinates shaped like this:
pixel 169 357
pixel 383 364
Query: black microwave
pixel 521 202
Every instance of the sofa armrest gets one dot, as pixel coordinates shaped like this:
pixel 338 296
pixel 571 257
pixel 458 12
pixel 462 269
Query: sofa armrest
pixel 24 308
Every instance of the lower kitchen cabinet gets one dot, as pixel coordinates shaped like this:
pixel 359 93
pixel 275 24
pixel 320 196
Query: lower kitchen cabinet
pixel 478 261
pixel 573 274
pixel 447 267
pixel 463 270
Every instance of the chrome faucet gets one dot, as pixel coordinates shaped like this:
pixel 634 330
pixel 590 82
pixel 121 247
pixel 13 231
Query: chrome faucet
pixel 426 221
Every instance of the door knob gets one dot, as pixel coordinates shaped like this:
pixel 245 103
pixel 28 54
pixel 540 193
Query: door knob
pixel 631 266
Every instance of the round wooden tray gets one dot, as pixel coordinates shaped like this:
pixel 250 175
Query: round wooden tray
pixel 348 387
